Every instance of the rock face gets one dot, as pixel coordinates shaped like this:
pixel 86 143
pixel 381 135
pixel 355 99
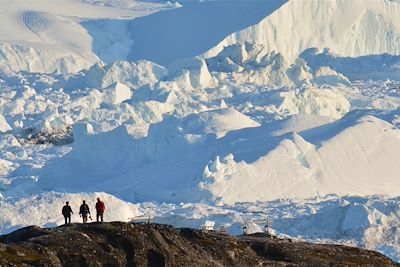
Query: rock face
pixel 126 244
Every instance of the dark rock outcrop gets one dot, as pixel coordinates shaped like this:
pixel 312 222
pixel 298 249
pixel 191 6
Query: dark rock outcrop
pixel 126 244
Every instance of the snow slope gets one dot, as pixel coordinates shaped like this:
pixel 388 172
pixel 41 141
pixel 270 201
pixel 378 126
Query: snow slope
pixel 364 28
pixel 197 34
pixel 69 36
pixel 348 28
pixel 296 168
pixel 197 158
pixel 48 36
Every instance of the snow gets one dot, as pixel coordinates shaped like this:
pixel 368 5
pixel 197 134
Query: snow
pixel 223 113
pixel 132 74
pixel 4 127
pixel 202 149
pixel 364 28
pixel 200 77
pixel 197 34
pixel 218 122
pixel 297 168
pixel 117 93
pixel 51 37
pixel 319 102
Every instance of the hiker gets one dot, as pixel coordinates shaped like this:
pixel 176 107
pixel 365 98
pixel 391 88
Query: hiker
pixel 66 211
pixel 100 208
pixel 84 212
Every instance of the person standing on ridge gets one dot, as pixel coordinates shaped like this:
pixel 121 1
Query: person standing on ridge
pixel 84 211
pixel 67 211
pixel 100 208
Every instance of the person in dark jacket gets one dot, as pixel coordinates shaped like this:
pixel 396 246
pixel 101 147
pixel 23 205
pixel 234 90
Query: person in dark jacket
pixel 100 208
pixel 84 211
pixel 67 211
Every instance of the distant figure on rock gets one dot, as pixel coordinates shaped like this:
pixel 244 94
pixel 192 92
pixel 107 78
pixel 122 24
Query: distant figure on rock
pixel 84 211
pixel 100 208
pixel 67 211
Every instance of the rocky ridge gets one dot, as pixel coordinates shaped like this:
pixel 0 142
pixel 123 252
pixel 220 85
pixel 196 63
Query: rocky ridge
pixel 133 244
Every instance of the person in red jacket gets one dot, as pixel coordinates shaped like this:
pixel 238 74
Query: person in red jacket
pixel 100 208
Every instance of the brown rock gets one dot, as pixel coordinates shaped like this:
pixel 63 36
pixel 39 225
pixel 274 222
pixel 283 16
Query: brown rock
pixel 126 244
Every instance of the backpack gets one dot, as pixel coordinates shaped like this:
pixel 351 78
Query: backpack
pixel 84 209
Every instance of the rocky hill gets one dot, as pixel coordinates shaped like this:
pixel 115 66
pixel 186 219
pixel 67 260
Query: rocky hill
pixel 127 244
